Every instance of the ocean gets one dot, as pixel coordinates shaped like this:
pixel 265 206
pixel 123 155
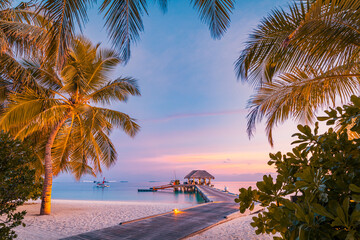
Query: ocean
pixel 233 187
pixel 127 191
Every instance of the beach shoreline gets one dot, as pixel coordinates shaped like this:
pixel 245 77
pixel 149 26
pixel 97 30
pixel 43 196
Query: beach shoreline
pixel 72 217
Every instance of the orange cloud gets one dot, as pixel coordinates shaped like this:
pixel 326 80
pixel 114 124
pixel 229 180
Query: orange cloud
pixel 212 157
pixel 220 163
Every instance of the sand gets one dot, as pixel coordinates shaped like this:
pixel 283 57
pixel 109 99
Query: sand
pixel 236 229
pixel 71 217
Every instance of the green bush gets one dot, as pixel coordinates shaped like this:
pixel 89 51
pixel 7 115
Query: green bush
pixel 17 183
pixel 323 171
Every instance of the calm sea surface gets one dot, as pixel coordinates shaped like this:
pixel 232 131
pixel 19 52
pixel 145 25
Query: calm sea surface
pixel 127 191
pixel 234 186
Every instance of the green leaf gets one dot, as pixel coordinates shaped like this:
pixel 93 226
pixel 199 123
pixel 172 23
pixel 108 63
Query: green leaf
pixel 341 215
pixel 354 188
pixel 355 197
pixel 351 235
pixel 322 211
pixel 337 222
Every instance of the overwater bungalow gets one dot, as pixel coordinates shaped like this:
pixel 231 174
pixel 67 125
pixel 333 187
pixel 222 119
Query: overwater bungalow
pixel 199 177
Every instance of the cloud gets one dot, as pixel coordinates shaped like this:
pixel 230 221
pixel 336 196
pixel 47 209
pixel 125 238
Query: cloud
pixel 228 160
pixel 191 115
pixel 212 157
pixel 234 163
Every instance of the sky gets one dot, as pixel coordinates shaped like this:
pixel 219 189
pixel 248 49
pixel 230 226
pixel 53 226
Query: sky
pixel 192 111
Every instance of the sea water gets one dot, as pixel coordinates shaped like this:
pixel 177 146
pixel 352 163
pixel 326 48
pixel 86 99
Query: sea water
pixel 234 187
pixel 128 191
pixel 120 191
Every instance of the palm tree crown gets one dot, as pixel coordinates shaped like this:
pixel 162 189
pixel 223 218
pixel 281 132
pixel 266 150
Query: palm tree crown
pixel 61 111
pixel 71 94
pixel 301 60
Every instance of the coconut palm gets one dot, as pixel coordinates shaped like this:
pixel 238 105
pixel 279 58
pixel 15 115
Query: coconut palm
pixel 301 60
pixel 123 20
pixel 62 110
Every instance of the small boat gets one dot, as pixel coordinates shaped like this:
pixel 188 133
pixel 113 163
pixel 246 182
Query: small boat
pixel 101 184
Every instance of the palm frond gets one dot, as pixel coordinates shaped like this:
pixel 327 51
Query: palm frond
pixel 300 94
pixel 121 120
pixel 259 61
pixel 25 37
pixel 79 167
pixel 14 71
pixel 63 145
pixel 24 30
pixel 215 13
pixel 98 63
pixel 29 111
pixel 5 89
pixel 46 76
pixel 124 23
pixel 65 16
pixel 4 4
pixel 318 34
pixel 117 90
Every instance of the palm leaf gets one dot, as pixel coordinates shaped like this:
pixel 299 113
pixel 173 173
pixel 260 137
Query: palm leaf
pixel 302 36
pixel 215 13
pixel 63 145
pixel 300 94
pixel 65 16
pixel 120 120
pixel 117 90
pixel 124 23
pixel 258 62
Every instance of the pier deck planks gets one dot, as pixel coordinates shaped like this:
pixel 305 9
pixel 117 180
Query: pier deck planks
pixel 171 225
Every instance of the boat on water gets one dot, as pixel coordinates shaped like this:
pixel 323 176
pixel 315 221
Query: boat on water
pixel 101 184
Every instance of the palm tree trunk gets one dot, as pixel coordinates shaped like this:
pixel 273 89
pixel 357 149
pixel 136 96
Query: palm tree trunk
pixel 46 192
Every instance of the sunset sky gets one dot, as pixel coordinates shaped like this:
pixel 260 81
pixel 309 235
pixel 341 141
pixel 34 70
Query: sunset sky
pixel 192 110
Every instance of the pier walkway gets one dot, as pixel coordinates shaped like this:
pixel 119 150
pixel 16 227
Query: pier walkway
pixel 171 225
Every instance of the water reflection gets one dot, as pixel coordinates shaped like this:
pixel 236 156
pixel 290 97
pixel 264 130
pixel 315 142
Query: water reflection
pixel 120 192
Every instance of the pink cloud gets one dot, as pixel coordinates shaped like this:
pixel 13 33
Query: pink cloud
pixel 190 115
pixel 241 162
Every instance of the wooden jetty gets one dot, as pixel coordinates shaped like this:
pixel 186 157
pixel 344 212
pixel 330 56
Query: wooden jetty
pixel 195 177
pixel 176 188
pixel 172 225
pixel 147 190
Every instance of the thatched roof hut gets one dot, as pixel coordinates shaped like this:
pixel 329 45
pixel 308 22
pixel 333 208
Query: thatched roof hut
pixel 199 175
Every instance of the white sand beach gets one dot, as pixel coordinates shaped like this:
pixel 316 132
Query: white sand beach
pixel 71 217
pixel 236 229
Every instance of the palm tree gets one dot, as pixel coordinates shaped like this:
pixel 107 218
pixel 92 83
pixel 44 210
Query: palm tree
pixel 301 60
pixel 62 110
pixel 123 20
